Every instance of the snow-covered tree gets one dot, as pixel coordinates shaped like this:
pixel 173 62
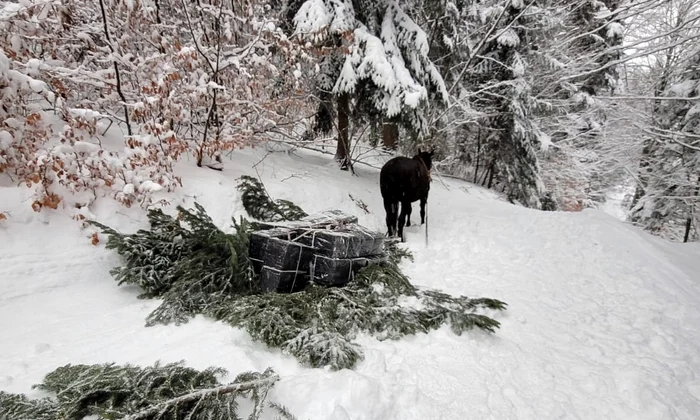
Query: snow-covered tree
pixel 665 201
pixel 489 133
pixel 668 200
pixel 492 117
pixel 376 60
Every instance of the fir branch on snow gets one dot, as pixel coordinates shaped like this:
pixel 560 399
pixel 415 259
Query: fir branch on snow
pixel 187 267
pixel 16 407
pixel 206 271
pixel 158 392
pixel 318 326
pixel 260 206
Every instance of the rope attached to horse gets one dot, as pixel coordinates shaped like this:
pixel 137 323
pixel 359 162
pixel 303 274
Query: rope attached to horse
pixel 430 179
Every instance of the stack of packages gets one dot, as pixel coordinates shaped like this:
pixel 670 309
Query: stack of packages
pixel 327 248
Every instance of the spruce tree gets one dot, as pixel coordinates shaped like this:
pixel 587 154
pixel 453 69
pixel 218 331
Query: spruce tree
pixel 510 151
pixel 377 61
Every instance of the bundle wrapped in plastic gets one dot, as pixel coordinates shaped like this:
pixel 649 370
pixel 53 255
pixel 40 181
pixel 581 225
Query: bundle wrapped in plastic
pixel 258 243
pixel 348 241
pixel 281 263
pixel 287 255
pixel 313 221
pixel 328 248
pixel 284 281
pixel 328 271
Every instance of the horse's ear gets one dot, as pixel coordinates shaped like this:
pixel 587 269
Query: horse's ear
pixel 432 152
pixel 419 152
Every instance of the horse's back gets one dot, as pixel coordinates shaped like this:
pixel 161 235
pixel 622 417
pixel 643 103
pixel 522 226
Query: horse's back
pixel 400 179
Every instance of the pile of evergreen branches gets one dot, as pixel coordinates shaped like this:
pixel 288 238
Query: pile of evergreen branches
pixel 198 269
pixel 159 392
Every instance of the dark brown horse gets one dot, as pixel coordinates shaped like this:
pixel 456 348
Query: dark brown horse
pixel 403 180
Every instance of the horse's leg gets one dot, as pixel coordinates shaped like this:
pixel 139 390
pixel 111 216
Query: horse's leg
pixel 423 201
pixel 395 213
pixel 409 210
pixel 390 209
pixel 402 218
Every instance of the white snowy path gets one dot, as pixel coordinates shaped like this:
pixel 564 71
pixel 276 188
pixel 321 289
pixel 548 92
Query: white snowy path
pixel 603 321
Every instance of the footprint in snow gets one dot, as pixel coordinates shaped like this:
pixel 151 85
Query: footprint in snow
pixel 42 348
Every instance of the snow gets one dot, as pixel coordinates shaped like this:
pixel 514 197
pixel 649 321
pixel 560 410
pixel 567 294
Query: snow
pixel 692 112
pixel 518 65
pixel 412 99
pixel 6 140
pixel 508 38
pixel 347 80
pixel 615 30
pixel 617 201
pixel 149 186
pixel 86 147
pixel 16 43
pixel 4 64
pixel 84 36
pixel 545 141
pixel 316 16
pixel 36 85
pixel 683 89
pixel 601 323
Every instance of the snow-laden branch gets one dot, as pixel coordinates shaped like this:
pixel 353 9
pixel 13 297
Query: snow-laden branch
pixel 642 8
pixel 649 98
pixel 202 394
pixel 671 135
pixel 478 47
pixel 625 59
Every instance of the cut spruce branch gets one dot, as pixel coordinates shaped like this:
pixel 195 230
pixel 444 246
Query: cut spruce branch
pixel 201 395
pixel 198 269
pixel 259 205
pixel 159 392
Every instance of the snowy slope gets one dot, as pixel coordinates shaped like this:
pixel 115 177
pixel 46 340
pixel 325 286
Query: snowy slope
pixel 602 321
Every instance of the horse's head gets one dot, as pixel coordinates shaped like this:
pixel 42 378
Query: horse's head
pixel 426 157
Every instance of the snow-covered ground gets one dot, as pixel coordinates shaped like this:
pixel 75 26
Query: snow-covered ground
pixel 602 323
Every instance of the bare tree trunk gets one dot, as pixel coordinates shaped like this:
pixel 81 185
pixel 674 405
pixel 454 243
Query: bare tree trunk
pixel 491 174
pixel 212 120
pixel 478 153
pixel 374 133
pixel 116 67
pixel 689 220
pixel 342 153
pixel 157 14
pixel 485 177
pixel 688 225
pixel 390 136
